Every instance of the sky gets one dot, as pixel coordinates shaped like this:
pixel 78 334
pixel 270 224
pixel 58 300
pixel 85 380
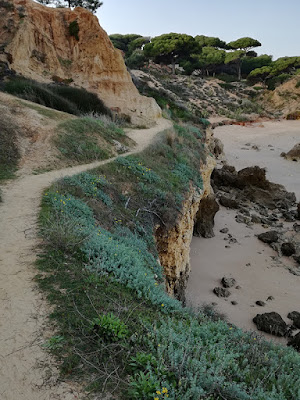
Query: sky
pixel 275 23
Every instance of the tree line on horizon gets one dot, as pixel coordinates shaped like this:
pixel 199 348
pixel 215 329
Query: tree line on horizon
pixel 207 56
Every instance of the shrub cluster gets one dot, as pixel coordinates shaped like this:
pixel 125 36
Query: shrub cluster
pixel 60 97
pixel 9 153
pixel 115 318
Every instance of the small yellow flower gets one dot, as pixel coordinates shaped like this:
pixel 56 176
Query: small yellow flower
pixel 164 390
pixel 156 398
pixel 162 305
pixel 158 392
pixel 254 339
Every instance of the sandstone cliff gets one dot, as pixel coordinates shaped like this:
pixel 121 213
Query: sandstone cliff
pixel 36 42
pixel 174 245
pixel 285 98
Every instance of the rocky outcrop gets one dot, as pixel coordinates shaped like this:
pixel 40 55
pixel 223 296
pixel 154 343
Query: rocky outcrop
pixel 204 222
pixel 36 42
pixel 174 245
pixel 271 323
pixel 294 153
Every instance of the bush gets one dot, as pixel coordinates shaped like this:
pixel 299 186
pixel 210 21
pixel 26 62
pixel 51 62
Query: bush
pixel 109 327
pixel 74 29
pixel 60 97
pixel 297 85
pixel 9 153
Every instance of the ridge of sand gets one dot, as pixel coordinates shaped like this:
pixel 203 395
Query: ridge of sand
pixel 26 371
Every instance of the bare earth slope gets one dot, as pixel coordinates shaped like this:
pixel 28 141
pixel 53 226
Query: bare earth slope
pixel 36 42
pixel 23 372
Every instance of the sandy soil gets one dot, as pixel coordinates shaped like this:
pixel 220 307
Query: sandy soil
pixel 249 261
pixel 272 138
pixel 26 370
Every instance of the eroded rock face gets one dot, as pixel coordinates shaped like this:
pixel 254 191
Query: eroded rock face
pixel 205 217
pixel 251 184
pixel 173 245
pixel 36 42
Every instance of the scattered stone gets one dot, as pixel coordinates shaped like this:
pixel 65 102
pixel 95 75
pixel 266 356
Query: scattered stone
pixel 298 210
pixel 283 154
pixel 238 287
pixel 260 303
pixel 255 147
pixel 295 317
pixel 296 228
pixel 270 298
pixel 242 219
pixel 294 153
pixel 248 265
pixel 233 240
pixel 297 259
pixel 255 219
pixel 119 147
pixel 269 237
pixel 234 303
pixel 271 323
pixel 221 292
pixel 295 342
pixel 225 230
pixel 248 144
pixel 228 282
pixel 288 249
pixel 227 247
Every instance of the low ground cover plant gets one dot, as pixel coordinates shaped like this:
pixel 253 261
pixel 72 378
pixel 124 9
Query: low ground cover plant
pixel 118 329
pixel 87 139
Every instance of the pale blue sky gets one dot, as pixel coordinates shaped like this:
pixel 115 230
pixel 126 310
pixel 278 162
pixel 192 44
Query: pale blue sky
pixel 275 23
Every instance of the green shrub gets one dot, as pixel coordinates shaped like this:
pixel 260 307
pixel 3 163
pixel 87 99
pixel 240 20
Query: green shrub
pixel 74 29
pixel 60 97
pixel 109 327
pixel 297 85
pixel 9 153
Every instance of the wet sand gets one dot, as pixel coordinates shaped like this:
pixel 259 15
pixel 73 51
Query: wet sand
pixel 249 261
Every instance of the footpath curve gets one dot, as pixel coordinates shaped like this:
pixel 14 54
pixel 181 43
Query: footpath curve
pixel 27 372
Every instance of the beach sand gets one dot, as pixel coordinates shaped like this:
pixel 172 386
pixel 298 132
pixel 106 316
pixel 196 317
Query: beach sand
pixel 249 261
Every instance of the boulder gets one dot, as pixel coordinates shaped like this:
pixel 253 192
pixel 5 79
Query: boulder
pixel 295 317
pixel 295 342
pixel 228 282
pixel 260 303
pixel 205 217
pixel 294 153
pixel 228 202
pixel 288 249
pixel 271 323
pixel 221 292
pixel 269 237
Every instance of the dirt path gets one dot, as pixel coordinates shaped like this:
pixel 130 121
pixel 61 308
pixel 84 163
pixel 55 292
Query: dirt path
pixel 26 371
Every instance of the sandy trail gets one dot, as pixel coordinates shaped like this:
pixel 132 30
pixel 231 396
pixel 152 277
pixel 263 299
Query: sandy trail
pixel 26 371
pixel 264 277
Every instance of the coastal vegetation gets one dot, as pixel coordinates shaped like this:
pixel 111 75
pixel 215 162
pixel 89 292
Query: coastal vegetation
pixel 207 56
pixel 117 329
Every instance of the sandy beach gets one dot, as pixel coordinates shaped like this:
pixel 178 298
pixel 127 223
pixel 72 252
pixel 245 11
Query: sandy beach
pixel 253 264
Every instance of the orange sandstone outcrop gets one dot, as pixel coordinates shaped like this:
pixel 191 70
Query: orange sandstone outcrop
pixel 36 42
pixel 174 245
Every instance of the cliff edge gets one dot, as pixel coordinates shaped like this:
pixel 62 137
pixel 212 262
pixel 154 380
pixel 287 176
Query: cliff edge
pixel 36 41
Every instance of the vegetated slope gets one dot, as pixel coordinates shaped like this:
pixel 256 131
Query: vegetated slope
pixel 42 139
pixel 26 371
pixel 39 43
pixel 285 98
pixel 116 325
pixel 184 96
